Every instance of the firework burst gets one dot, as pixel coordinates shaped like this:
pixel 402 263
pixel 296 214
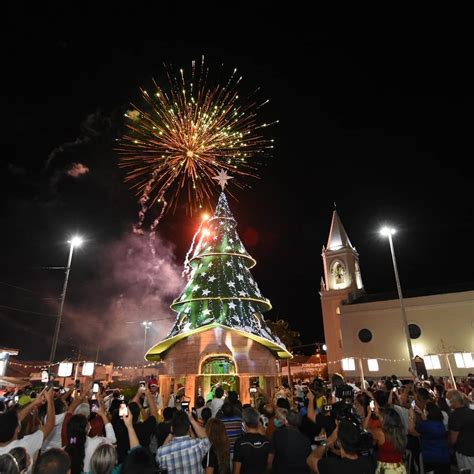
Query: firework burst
pixel 184 133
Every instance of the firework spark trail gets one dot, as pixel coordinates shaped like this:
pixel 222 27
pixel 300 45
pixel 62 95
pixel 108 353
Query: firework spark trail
pixel 183 134
pixel 187 268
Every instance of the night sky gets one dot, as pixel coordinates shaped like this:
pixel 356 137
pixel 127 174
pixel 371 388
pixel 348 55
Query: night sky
pixel 379 122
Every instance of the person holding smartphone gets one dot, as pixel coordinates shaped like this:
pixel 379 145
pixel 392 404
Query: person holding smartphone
pixel 323 420
pixel 147 427
pixel 81 406
pixel 11 423
pixel 77 437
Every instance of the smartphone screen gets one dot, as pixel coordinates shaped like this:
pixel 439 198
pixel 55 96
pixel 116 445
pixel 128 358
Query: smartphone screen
pixel 413 404
pixel 95 388
pixel 123 410
pixel 185 406
pixel 94 408
pixel 142 384
pixel 372 405
pixel 44 376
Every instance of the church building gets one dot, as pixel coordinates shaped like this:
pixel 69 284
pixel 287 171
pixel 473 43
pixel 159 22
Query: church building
pixel 365 333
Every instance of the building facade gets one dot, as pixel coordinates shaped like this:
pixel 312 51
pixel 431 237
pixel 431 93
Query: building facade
pixel 365 333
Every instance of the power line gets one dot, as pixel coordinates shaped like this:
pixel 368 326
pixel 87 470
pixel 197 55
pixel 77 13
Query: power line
pixel 18 287
pixel 27 311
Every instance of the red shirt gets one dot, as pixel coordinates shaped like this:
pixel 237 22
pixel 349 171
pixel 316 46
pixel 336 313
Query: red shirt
pixel 387 453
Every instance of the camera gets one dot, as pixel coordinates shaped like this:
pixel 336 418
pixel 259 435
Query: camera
pixel 185 406
pixel 342 410
pixel 365 441
pixel 95 387
pixel 253 389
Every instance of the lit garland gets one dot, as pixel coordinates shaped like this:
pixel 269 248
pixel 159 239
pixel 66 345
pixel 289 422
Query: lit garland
pixel 47 366
pixel 156 364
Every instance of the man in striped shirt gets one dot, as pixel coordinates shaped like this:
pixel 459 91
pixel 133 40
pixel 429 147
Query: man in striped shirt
pixel 233 424
pixel 181 453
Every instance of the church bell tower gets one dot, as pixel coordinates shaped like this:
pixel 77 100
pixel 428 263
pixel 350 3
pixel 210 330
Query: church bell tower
pixel 342 281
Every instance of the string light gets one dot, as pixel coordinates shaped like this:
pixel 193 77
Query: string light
pixel 46 366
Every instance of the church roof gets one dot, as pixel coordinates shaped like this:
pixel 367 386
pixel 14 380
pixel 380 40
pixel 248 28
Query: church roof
pixel 450 288
pixel 338 237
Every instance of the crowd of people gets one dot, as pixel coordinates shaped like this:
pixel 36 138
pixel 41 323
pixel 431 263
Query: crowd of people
pixel 378 427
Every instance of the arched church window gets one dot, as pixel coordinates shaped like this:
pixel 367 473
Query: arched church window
pixel 358 276
pixel 338 272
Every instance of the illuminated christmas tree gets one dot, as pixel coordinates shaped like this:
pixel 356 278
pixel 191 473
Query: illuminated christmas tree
pixel 221 290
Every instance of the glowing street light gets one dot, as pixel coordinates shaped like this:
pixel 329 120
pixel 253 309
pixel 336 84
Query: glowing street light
pixel 147 325
pixel 75 241
pixel 388 232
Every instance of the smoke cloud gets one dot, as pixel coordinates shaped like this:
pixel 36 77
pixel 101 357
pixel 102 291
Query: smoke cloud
pixel 129 287
pixel 77 169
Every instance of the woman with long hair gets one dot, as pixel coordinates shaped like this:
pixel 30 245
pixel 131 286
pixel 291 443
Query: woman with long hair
pixel 80 446
pixel 391 440
pixel 76 442
pixel 217 460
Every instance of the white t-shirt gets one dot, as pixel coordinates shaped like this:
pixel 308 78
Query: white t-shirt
pixel 54 438
pixel 299 391
pixel 93 443
pixel 216 405
pixel 32 443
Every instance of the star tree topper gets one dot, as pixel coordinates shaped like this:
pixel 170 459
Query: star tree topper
pixel 222 178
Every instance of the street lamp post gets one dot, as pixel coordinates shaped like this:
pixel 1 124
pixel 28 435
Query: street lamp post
pixel 146 325
pixel 74 242
pixel 388 232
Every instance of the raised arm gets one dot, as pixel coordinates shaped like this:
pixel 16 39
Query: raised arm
pixel 24 412
pixel 198 429
pixel 50 414
pixel 77 401
pixel 132 435
pixel 151 403
pixel 311 411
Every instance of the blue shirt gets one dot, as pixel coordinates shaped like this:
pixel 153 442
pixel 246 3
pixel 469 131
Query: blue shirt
pixel 434 441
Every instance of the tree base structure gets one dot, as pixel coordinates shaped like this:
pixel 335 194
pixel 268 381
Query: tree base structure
pixel 221 356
